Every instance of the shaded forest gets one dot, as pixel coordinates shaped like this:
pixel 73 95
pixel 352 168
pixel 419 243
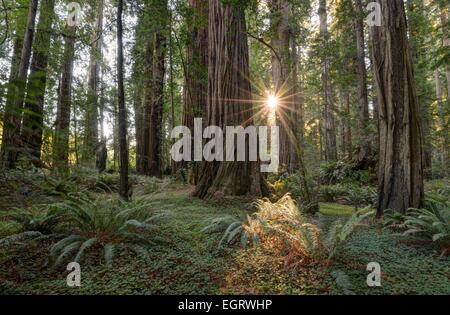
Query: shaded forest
pixel 92 91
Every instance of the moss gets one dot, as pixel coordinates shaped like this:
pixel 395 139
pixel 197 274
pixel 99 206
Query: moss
pixel 335 209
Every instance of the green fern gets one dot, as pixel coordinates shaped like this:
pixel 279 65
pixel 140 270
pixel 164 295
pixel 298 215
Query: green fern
pixel 432 221
pixel 340 232
pixel 44 219
pixel 105 224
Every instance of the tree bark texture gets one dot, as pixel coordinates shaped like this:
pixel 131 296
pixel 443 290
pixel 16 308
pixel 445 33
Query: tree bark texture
pixel 400 174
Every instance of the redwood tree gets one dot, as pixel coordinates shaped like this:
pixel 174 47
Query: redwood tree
pixel 11 142
pixel 91 128
pixel 283 78
pixel 196 76
pixel 400 174
pixel 328 115
pixel 62 125
pixel 363 100
pixel 123 144
pixel 229 93
pixel 33 120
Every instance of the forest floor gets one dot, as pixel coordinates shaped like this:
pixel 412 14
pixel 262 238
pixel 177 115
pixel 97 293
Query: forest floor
pixel 191 263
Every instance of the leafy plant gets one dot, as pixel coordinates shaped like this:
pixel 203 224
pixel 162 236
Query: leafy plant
pixel 394 220
pixel 330 193
pixel 43 219
pixel 107 224
pixel 349 193
pixel 358 196
pixel 279 226
pixel 334 171
pixel 433 221
pixel 430 222
pixel 340 232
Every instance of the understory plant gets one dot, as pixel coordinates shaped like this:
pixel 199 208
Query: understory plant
pixel 106 224
pixel 431 222
pixel 37 218
pixel 285 231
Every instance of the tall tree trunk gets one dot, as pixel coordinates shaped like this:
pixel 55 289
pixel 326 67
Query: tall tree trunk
pixel 33 119
pixel 229 93
pixel 11 90
pixel 138 78
pixel 91 132
pixel 62 128
pixel 196 76
pixel 282 76
pixel 400 175
pixel 415 10
pixel 328 110
pixel 442 121
pixel 146 111
pixel 123 144
pixel 374 97
pixel 173 164
pixel 154 97
pixel 156 117
pixel 446 42
pixel 347 129
pixel 13 112
pixel 363 101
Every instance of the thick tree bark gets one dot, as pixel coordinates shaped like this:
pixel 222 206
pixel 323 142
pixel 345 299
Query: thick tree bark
pixel 146 108
pixel 347 130
pixel 91 128
pixel 33 119
pixel 153 92
pixel 123 144
pixel 415 10
pixel 13 112
pixel 446 42
pixel 442 121
pixel 156 117
pixel 328 110
pixel 229 93
pixel 62 128
pixel 363 101
pixel 282 76
pixel 400 174
pixel 196 76
pixel 11 90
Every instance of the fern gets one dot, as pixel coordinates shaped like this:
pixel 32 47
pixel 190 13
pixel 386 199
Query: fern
pixel 340 232
pixel 104 224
